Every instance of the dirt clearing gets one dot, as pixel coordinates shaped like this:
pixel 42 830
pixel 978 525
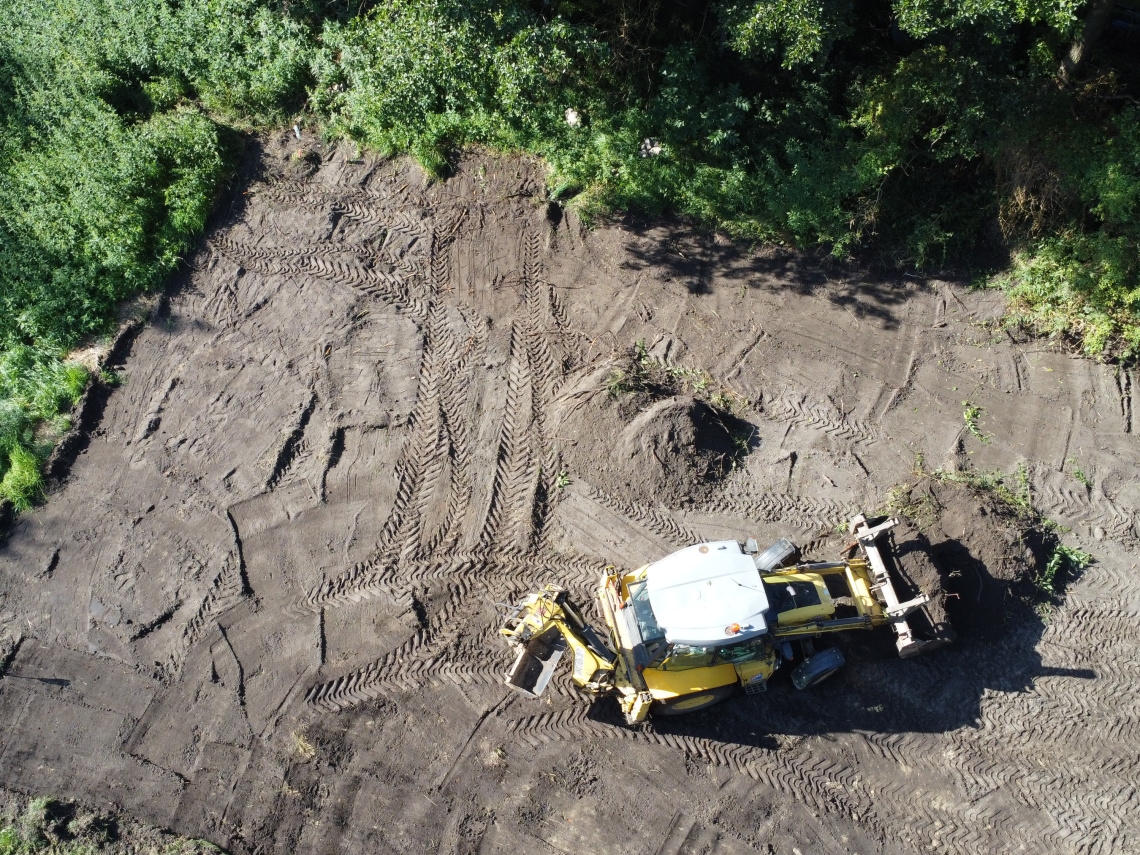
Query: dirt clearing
pixel 261 610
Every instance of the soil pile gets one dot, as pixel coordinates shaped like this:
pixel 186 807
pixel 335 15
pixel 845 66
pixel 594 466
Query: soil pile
pixel 653 444
pixel 973 552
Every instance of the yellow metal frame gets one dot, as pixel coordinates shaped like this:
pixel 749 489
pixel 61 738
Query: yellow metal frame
pixel 637 690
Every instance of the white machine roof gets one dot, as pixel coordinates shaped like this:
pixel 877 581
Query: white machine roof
pixel 700 591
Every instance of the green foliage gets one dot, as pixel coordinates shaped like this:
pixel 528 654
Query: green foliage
pixel 971 414
pixel 1084 281
pixel 48 828
pixel 36 388
pixel 242 57
pixel 995 484
pixel 428 76
pixel 1079 474
pixel 800 30
pixel 1064 560
pixel 923 18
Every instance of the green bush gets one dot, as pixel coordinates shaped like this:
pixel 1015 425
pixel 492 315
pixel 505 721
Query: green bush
pixel 111 156
pixel 37 388
pixel 425 77
pixel 1084 282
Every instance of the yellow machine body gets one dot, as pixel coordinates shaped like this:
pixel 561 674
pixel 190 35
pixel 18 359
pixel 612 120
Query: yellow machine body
pixel 635 661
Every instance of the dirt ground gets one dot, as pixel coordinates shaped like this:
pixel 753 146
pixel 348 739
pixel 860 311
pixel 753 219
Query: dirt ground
pixel 261 608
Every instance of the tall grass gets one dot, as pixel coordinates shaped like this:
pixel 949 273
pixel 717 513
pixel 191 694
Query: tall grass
pixel 37 389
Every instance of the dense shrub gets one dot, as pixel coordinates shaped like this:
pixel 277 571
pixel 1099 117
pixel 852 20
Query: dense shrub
pixel 110 159
pixel 915 132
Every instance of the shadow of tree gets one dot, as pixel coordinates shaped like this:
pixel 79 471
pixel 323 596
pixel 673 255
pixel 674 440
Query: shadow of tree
pixel 696 259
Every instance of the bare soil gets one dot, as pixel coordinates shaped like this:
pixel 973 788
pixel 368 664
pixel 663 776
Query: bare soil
pixel 261 607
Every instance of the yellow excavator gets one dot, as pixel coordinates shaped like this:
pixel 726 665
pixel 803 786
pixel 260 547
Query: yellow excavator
pixel 691 629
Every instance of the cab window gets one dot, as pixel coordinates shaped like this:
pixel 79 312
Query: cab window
pixel 683 656
pixel 786 595
pixel 742 651
pixel 643 612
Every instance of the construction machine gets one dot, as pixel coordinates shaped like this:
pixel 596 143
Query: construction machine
pixel 693 628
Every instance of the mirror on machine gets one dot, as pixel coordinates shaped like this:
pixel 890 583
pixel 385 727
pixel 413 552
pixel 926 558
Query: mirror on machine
pixel 776 555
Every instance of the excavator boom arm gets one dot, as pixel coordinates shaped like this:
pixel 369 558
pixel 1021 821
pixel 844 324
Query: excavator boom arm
pixel 541 629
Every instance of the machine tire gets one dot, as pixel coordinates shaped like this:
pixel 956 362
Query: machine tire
pixel 684 704
pixel 815 669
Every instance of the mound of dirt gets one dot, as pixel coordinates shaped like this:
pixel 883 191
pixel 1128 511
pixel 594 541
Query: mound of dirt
pixel 669 450
pixel 974 553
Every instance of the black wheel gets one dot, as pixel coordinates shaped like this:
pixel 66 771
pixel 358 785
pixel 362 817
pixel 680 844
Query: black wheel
pixel 815 669
pixel 696 701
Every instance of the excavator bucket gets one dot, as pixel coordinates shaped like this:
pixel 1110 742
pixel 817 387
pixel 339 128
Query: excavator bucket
pixel 536 661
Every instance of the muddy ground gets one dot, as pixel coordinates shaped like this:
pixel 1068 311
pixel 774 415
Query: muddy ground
pixel 261 609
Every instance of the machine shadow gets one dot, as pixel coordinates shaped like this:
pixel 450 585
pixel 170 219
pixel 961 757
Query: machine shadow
pixel 878 692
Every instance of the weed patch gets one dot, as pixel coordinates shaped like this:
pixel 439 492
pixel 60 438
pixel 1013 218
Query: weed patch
pixel 50 827
pixel 971 415
pixel 1063 563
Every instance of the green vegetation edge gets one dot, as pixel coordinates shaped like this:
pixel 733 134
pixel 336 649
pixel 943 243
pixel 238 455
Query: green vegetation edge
pixel 996 140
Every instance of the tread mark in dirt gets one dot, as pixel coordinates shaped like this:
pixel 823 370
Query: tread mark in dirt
pixel 794 406
pixel 656 521
pixel 293 447
pixel 1125 384
pixel 499 579
pixel 779 507
pixel 227 589
pixel 511 467
pixel 1060 495
pixel 364 253
pixel 546 377
pixel 388 287
pixel 820 783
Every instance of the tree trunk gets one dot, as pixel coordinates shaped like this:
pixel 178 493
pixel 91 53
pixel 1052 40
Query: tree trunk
pixel 1097 19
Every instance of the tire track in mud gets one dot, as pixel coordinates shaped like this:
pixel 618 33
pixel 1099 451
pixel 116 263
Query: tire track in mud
pixel 389 576
pixel 1061 496
pixel 780 507
pixel 656 521
pixel 361 276
pixel 226 590
pixel 428 656
pixel 796 406
pixel 527 466
pixel 510 481
pixel 359 201
pixel 823 784
pixel 546 379
pixel 1125 384
pixel 293 449
pixel 1014 733
pixel 365 254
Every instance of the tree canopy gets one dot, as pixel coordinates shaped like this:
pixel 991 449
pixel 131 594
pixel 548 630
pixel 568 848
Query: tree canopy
pixel 988 136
